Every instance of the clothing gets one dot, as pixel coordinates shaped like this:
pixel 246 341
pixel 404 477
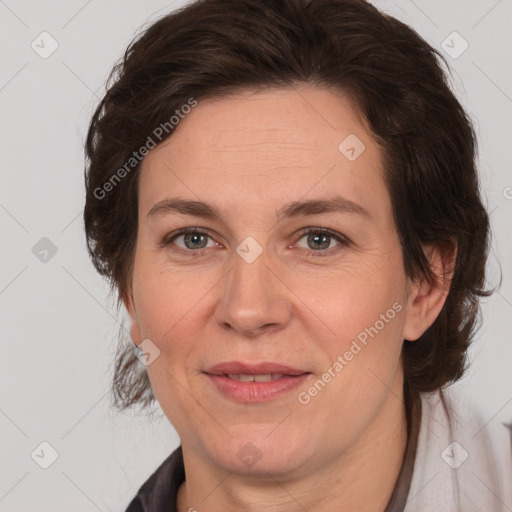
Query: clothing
pixel 463 461
pixel 160 491
pixel 436 474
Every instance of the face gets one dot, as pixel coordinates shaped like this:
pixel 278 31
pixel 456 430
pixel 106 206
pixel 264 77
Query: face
pixel 292 268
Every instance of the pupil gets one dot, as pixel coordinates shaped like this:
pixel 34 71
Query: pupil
pixel 323 239
pixel 195 238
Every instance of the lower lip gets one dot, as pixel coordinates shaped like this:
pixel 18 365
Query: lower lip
pixel 256 391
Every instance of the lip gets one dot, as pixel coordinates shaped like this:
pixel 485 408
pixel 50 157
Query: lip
pixel 253 369
pixel 255 391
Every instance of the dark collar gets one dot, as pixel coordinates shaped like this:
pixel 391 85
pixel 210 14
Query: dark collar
pixel 398 499
pixel 160 491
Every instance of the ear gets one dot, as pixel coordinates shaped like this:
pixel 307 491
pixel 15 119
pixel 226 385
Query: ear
pixel 134 327
pixel 426 299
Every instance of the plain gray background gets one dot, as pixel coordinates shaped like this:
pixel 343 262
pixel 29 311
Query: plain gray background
pixel 58 326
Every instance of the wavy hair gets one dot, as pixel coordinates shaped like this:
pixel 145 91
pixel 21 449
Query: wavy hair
pixel 213 48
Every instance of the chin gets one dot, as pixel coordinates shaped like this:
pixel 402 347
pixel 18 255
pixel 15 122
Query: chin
pixel 259 453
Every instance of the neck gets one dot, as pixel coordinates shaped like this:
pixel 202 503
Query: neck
pixel 362 478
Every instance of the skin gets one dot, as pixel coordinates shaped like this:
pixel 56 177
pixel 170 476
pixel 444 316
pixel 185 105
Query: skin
pixel 249 154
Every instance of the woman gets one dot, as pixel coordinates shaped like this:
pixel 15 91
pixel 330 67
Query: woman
pixel 285 197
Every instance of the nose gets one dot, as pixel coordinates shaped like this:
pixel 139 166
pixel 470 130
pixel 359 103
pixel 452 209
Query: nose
pixel 254 298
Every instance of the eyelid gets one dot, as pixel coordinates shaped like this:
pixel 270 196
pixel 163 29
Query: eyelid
pixel 341 239
pixel 334 234
pixel 167 239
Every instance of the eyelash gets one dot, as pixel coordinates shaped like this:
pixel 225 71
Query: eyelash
pixel 343 241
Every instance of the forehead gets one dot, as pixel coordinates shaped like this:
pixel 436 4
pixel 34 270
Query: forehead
pixel 291 120
pixel 281 144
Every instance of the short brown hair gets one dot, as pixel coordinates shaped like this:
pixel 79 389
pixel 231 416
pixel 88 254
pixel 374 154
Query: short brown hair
pixel 212 48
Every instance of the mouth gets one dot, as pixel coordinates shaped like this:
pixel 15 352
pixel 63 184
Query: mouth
pixel 243 382
pixel 266 369
pixel 244 377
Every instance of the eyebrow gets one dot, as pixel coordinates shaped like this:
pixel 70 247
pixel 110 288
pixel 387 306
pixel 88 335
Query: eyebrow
pixel 294 209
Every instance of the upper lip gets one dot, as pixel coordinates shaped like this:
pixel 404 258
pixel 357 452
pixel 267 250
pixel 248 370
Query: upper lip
pixel 236 367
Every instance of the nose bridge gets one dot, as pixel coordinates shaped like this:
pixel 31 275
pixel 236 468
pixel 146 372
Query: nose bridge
pixel 252 297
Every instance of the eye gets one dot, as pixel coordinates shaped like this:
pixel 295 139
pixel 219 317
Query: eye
pixel 321 240
pixel 189 240
pixel 318 241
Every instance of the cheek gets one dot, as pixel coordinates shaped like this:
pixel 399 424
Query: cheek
pixel 167 303
pixel 363 310
pixel 363 362
pixel 165 297
pixel 173 308
pixel 354 297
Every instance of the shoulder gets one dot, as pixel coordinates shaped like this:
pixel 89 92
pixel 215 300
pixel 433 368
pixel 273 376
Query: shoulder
pixel 463 462
pixel 160 490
